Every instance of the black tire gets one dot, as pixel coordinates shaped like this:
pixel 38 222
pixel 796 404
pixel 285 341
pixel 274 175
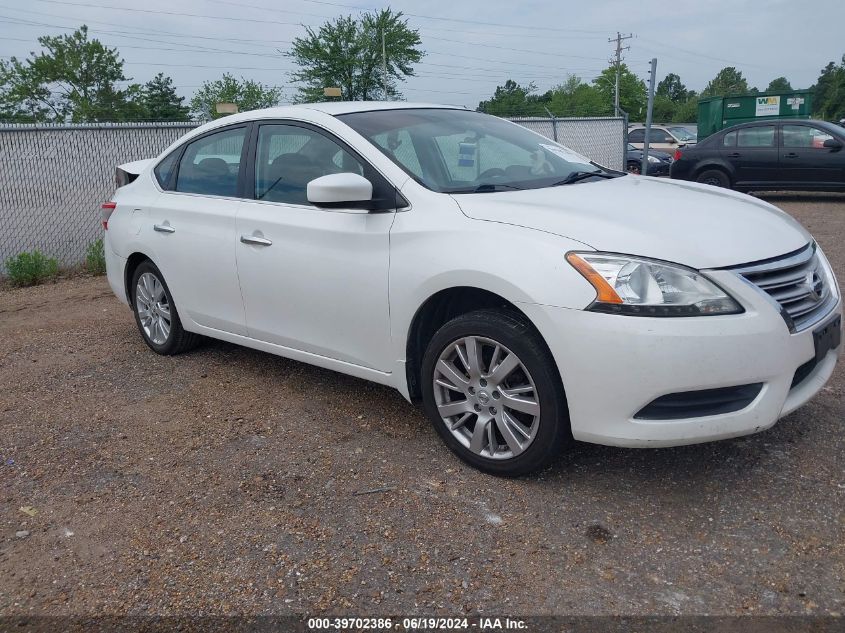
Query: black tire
pixel 714 177
pixel 518 335
pixel 178 340
pixel 634 167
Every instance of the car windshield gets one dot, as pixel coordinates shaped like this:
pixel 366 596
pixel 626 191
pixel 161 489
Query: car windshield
pixel 459 151
pixel 682 134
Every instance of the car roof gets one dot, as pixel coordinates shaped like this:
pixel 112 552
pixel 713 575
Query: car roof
pixel 816 122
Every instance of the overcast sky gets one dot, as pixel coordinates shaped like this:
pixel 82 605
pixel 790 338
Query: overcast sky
pixel 469 43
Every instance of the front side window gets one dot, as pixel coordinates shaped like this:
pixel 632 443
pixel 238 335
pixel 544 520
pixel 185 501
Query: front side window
pixel 804 136
pixel 458 151
pixel 659 136
pixel 210 164
pixel 289 157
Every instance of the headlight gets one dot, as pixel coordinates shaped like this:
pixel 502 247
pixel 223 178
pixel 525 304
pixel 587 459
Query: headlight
pixel 644 287
pixel 653 159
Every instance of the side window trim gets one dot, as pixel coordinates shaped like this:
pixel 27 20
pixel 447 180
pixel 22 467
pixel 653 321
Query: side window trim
pixel 171 179
pixel 251 159
pixel 174 176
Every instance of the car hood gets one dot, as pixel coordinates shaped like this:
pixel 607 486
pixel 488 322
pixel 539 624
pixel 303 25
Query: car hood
pixel 687 223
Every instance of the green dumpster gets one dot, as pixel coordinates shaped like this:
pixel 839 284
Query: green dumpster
pixel 717 113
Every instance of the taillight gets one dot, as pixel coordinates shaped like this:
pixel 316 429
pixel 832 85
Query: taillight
pixel 107 209
pixel 677 155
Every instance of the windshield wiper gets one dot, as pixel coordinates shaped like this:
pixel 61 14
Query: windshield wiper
pixel 487 187
pixel 576 176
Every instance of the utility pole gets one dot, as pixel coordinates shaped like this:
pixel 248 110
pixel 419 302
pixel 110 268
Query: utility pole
pixel 616 60
pixel 649 110
pixel 383 65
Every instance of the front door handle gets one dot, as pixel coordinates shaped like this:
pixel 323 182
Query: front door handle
pixel 163 228
pixel 734 155
pixel 254 239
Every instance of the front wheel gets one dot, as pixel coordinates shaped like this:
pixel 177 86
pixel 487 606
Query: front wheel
pixel 492 391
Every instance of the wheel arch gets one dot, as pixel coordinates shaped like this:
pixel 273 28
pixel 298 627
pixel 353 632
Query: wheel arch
pixel 132 263
pixel 722 166
pixel 435 311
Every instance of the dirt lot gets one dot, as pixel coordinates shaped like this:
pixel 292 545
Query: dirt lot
pixel 229 481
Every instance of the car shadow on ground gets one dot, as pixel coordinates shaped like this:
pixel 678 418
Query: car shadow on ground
pixel 730 462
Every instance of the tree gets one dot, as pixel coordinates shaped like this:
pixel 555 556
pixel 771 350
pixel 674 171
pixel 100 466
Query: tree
pixel 347 53
pixel 72 78
pixel 672 89
pixel 780 84
pixel 245 93
pixel 576 98
pixel 686 112
pixel 632 90
pixel 829 92
pixel 728 81
pixel 512 99
pixel 161 101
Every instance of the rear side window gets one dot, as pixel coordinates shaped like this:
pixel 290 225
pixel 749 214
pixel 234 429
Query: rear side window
pixel 210 165
pixel 756 136
pixel 164 170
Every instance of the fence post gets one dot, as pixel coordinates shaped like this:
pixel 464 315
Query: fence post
pixel 624 139
pixel 554 123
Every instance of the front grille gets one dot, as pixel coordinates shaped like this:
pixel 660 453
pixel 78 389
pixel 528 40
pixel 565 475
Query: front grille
pixel 797 282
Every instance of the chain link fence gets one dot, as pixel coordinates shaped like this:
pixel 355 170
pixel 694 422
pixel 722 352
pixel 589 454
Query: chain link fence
pixel 602 139
pixel 53 178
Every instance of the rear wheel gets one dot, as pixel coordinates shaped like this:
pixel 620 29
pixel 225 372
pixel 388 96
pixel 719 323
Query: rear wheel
pixel 633 167
pixel 714 177
pixel 156 315
pixel 492 391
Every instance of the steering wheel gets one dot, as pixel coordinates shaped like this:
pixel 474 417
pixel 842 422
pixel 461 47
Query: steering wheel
pixel 493 172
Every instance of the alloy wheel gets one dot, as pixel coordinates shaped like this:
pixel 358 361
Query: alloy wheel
pixel 153 308
pixel 486 397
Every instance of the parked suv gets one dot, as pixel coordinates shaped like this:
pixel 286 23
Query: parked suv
pixel 768 155
pixel 665 138
pixel 526 295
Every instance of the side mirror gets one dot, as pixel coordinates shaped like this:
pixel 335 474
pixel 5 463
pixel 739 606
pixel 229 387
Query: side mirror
pixel 832 143
pixel 672 141
pixel 341 191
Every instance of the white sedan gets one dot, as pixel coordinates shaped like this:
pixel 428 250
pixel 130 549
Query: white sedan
pixel 525 294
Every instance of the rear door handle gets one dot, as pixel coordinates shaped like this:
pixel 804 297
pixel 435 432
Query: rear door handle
pixel 734 155
pixel 163 228
pixel 254 239
pixel 790 155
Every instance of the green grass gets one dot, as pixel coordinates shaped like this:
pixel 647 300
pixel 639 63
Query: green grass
pixel 95 259
pixel 29 269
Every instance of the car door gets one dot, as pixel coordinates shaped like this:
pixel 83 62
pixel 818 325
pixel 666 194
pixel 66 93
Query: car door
pixel 313 279
pixel 804 159
pixel 659 139
pixel 753 154
pixel 636 137
pixel 193 230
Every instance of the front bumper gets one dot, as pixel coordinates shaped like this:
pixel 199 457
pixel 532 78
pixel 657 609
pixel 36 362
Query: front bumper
pixel 612 366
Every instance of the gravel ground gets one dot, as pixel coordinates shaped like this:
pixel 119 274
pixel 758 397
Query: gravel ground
pixel 231 481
